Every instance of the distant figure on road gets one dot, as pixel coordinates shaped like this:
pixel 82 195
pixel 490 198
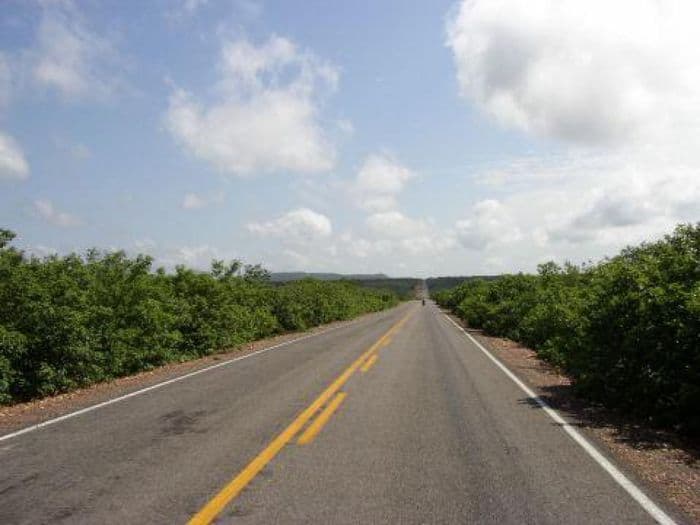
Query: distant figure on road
pixel 423 301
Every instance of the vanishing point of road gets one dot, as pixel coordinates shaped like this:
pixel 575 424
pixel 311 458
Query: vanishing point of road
pixel 398 417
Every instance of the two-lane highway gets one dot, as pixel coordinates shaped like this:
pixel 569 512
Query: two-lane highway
pixel 398 418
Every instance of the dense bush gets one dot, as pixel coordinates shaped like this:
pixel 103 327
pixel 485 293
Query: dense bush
pixel 626 329
pixel 67 322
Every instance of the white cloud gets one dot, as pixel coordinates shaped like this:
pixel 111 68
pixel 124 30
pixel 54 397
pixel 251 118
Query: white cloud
pixel 197 256
pixel 384 253
pixel 363 248
pixel 195 201
pixel 430 245
pixel 581 208
pixel 144 244
pixel 396 233
pixel 47 211
pixel 71 58
pixel 300 225
pixel 617 84
pixel 266 118
pixel 594 72
pixel 394 224
pixel 13 164
pixel 41 250
pixel 380 179
pixel 490 223
pixel 192 201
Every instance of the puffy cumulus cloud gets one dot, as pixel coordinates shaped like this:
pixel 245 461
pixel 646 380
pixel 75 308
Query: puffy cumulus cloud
pixel 394 224
pixel 428 245
pixel 71 58
pixel 354 246
pixel 490 224
pixel 581 207
pixel 613 211
pixel 394 232
pixel 616 82
pixel 46 210
pixel 266 116
pixel 593 72
pixel 624 202
pixel 13 164
pixel 380 179
pixel 383 251
pixel 300 225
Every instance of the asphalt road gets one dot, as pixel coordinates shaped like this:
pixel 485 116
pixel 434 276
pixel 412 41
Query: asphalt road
pixel 429 431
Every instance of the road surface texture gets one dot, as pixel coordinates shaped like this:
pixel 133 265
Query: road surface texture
pixel 398 418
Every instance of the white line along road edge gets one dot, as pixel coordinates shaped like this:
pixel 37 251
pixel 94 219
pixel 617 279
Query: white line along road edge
pixel 164 383
pixel 659 515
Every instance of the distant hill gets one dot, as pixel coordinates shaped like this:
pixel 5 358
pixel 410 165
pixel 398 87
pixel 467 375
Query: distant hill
pixel 404 287
pixel 435 284
pixel 281 277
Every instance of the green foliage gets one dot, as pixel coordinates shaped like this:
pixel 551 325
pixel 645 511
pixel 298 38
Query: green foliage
pixel 404 287
pixel 626 329
pixel 68 322
pixel 440 284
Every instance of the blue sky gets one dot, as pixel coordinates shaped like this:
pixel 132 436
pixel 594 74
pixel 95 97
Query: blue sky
pixel 412 138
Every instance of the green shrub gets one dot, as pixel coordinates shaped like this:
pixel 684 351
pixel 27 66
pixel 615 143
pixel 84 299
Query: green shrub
pixel 68 322
pixel 627 329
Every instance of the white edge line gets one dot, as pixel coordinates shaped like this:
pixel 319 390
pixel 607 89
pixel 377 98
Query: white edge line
pixel 90 408
pixel 646 503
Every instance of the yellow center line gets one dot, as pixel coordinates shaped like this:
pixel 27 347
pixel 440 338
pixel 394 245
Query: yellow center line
pixel 368 364
pixel 215 505
pixel 314 428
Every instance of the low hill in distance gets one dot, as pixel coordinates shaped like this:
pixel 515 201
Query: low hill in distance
pixel 283 277
pixel 404 287
pixel 436 284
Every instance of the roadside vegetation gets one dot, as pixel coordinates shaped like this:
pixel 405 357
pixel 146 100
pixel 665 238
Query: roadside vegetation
pixel 68 322
pixel 627 330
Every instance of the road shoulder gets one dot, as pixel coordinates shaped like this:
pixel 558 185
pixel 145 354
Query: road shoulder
pixel 22 415
pixel 665 463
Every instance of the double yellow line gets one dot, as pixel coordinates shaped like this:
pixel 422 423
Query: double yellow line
pixel 215 505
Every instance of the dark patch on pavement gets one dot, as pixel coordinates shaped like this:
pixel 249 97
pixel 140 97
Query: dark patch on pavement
pixel 179 422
